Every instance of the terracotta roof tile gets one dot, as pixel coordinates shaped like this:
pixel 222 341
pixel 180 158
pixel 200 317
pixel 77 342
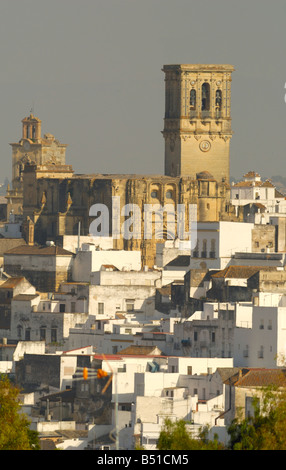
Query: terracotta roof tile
pixel 262 378
pixel 242 272
pixel 39 251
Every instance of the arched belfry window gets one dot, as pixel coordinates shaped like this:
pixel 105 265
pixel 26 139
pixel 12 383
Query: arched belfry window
pixel 193 102
pixel 205 97
pixel 193 99
pixel 218 102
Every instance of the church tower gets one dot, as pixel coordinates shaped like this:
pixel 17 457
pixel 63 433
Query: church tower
pixel 197 124
pixel 32 148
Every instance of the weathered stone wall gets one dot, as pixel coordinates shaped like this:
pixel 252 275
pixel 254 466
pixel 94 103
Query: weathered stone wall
pixel 58 203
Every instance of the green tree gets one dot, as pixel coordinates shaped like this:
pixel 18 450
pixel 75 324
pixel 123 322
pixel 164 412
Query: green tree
pixel 175 436
pixel 266 428
pixel 14 425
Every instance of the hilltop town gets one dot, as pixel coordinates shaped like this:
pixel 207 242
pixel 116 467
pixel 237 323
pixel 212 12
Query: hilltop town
pixel 108 331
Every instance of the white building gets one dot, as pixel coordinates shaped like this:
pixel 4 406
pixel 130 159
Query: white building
pixel 179 388
pixel 253 191
pixel 217 242
pixel 37 319
pixel 91 258
pixel 261 342
pixel 169 250
pixel 123 291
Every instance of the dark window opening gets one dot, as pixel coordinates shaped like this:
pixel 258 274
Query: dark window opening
pixel 193 102
pixel 205 97
pixel 218 103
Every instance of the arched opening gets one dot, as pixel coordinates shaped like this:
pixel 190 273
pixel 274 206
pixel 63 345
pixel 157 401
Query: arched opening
pixel 193 102
pixel 218 103
pixel 205 98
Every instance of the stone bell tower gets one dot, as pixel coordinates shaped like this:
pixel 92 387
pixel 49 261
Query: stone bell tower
pixel 197 124
pixel 32 148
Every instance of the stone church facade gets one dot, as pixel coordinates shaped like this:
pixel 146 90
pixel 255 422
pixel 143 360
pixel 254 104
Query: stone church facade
pixel 57 200
pixel 32 148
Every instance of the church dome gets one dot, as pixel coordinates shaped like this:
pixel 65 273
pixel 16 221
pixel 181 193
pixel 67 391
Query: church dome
pixel 205 175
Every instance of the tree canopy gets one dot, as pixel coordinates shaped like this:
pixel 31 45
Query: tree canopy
pixel 15 433
pixel 175 436
pixel 265 429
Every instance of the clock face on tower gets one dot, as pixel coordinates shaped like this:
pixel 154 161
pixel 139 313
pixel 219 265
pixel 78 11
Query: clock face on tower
pixel 205 145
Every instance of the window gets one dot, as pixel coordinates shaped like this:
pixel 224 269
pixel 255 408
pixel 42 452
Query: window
pixel 261 353
pixel 193 103
pixel 28 334
pixel 84 387
pixel 72 307
pixel 19 331
pixel 204 251
pixel 62 308
pixel 205 97
pixel 212 252
pixel 130 305
pixel 54 335
pixel 42 333
pixel 249 407
pixel 218 101
pixel 100 308
pixel 193 99
pixel 169 194
pixel 195 336
pixel 213 337
pixel 154 194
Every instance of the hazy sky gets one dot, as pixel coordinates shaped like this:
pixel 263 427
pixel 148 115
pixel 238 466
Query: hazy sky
pixel 92 71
